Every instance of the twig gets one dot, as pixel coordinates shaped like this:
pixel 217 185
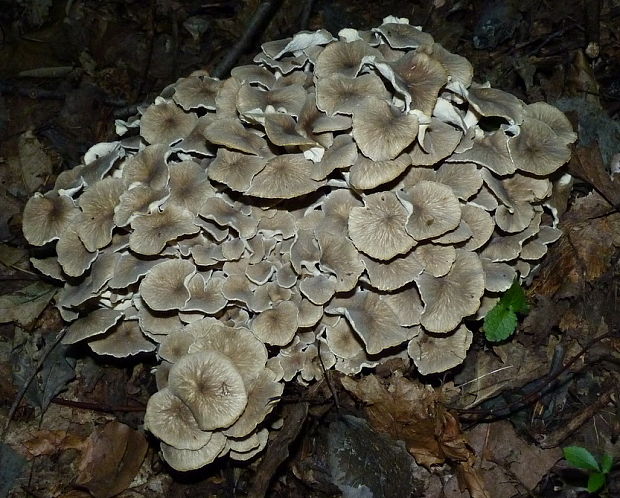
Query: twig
pixel 578 420
pixel 278 449
pixel 304 19
pixel 327 379
pixel 96 407
pixel 24 388
pixel 151 45
pixel 258 23
pixel 509 408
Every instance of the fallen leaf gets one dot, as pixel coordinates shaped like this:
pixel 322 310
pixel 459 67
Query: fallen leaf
pixel 499 444
pixel 112 457
pixel 51 442
pixel 584 253
pixel 33 164
pixel 415 414
pixel 587 164
pixel 57 371
pixel 25 305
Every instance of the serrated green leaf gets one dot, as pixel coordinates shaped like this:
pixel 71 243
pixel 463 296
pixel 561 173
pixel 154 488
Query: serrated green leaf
pixel 514 298
pixel 499 323
pixel 596 481
pixel 607 463
pixel 581 458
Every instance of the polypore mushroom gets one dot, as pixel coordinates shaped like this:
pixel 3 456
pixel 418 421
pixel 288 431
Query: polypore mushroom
pixel 337 204
pixel 211 387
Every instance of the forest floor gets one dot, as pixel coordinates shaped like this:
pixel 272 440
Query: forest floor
pixel 68 69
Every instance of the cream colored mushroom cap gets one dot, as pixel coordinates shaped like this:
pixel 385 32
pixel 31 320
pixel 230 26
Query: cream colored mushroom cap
pixel 46 217
pixel 185 460
pixel 211 387
pixel 378 228
pixel 450 298
pixel 165 286
pixel 170 420
pixel 436 210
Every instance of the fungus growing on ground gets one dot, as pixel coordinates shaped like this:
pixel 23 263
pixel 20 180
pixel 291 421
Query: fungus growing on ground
pixel 333 205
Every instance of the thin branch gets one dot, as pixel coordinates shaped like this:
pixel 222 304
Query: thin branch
pixel 510 408
pixel 257 24
pixel 33 374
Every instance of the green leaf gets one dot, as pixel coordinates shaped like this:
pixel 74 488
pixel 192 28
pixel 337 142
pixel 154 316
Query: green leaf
pixel 596 481
pixel 581 458
pixel 607 463
pixel 515 299
pixel 499 323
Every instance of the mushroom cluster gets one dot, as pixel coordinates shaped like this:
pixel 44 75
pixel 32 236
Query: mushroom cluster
pixel 338 203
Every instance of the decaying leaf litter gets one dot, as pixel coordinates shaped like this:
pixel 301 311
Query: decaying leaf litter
pixel 572 296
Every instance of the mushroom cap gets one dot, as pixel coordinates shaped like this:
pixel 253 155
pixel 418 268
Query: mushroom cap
pixel 165 123
pixel 185 460
pixel 459 69
pixel 440 140
pixel 212 388
pixel 277 325
pixel 366 174
pixel 46 217
pixel 344 95
pixel 152 231
pixel 378 228
pixel 125 339
pixel 450 298
pixel 254 102
pixel 393 274
pixel 490 151
pixel 343 58
pixel 97 220
pixel 139 199
pixel 284 177
pixel 189 186
pixel 537 149
pixel 381 131
pixel 73 256
pixel 148 167
pixel 339 257
pixel 175 346
pixel 260 403
pixel 95 323
pixel 231 133
pixel 495 102
pixel 432 354
pixel 407 306
pixel 235 169
pixel 372 319
pixel 196 92
pixel 170 420
pixel 436 210
pixel 341 154
pixel 281 130
pixel 247 353
pixel 554 118
pixel 435 259
pixel 420 78
pixel 400 35
pixel 165 286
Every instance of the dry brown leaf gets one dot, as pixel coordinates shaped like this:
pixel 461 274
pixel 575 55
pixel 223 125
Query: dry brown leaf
pixel 51 442
pixel 498 444
pixel 112 457
pixel 415 414
pixel 584 252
